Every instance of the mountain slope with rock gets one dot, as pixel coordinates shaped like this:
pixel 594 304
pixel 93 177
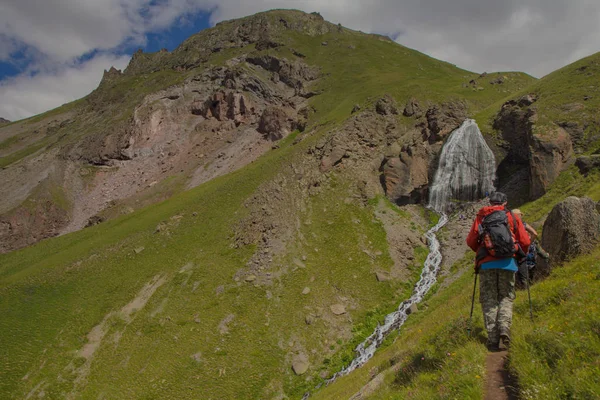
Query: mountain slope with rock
pixel 254 208
pixel 546 129
pixel 173 120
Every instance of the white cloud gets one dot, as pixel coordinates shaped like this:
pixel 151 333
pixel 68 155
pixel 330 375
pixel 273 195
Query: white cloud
pixel 23 96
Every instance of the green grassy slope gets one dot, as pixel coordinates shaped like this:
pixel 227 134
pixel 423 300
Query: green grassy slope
pixel 556 357
pixel 54 293
pixel 570 94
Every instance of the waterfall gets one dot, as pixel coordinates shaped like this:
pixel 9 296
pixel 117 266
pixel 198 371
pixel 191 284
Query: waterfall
pixel 466 170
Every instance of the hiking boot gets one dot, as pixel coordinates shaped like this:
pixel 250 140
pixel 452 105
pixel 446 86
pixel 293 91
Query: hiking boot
pixel 505 340
pixel 493 345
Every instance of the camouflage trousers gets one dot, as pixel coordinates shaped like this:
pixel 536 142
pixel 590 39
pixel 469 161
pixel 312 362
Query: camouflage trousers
pixel 496 295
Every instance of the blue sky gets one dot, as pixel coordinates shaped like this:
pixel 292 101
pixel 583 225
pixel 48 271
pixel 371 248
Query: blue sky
pixel 168 38
pixel 55 51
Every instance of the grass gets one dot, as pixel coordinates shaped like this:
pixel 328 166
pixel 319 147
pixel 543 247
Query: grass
pixel 556 357
pixel 569 183
pixel 568 94
pixel 53 294
pixel 431 358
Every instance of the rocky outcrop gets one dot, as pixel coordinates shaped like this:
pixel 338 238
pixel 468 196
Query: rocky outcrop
pixel 275 123
pixel 4 121
pixel 224 106
pixel 572 228
pixel 294 74
pixel 386 106
pixel 406 177
pixel 262 29
pixel 551 153
pixel 443 119
pixel 412 108
pixel 27 225
pixel 543 152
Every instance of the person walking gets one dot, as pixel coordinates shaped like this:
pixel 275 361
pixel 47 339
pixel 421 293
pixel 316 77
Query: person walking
pixel 527 264
pixel 498 237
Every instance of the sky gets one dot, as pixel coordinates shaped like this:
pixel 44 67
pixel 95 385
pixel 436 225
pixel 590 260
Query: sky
pixel 55 51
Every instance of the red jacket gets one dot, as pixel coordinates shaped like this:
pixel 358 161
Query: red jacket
pixel 521 234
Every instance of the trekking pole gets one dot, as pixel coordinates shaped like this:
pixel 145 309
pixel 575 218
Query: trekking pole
pixel 528 291
pixel 472 305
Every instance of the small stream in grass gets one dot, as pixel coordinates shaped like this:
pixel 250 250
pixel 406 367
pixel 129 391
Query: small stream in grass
pixel 466 171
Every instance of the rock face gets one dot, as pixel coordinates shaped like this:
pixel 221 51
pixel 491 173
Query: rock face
pixel 209 124
pixel 406 177
pixel 275 123
pixel 543 153
pixel 4 121
pixel 408 167
pixel 572 228
pixel 386 106
pixel 443 119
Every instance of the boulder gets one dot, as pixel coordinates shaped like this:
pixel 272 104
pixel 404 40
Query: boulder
pixel 551 153
pixel 572 228
pixel 412 309
pixel 338 309
pixel 275 124
pixel 300 364
pixel 386 105
pixel 443 119
pixel 412 108
pixel 405 178
pixel 588 163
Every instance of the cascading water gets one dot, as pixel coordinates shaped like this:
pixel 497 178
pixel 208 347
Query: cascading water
pixel 466 171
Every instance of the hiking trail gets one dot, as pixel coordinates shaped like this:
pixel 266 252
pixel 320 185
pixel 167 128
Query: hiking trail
pixel 499 385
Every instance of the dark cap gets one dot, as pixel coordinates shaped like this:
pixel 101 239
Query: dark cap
pixel 498 198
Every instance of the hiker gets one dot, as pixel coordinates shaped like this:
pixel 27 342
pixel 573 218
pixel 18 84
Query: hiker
pixel 498 237
pixel 527 264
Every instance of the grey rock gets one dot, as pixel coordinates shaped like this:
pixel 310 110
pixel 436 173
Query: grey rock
pixel 588 163
pixel 138 250
pixel 572 228
pixel 250 278
pixel 300 364
pixel 306 290
pixel 412 309
pixel 338 309
pixel 382 276
pixel 386 105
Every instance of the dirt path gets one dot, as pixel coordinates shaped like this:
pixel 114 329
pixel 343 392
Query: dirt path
pixel 498 384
